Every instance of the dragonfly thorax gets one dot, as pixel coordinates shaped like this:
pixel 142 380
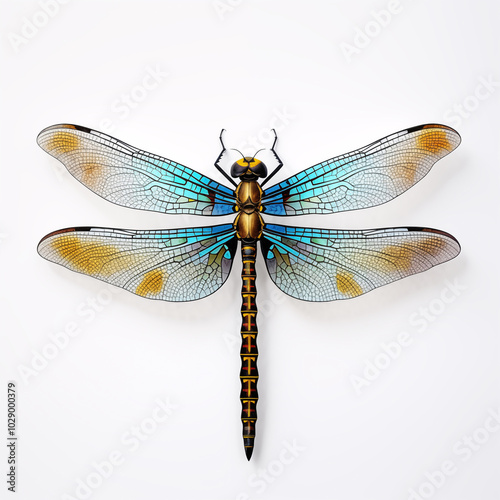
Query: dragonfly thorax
pixel 248 168
pixel 248 223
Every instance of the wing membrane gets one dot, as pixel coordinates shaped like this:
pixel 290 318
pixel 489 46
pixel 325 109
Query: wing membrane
pixel 363 178
pixel 322 265
pixel 173 265
pixel 133 178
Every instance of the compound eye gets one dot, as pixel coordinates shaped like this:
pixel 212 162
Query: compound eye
pixel 260 170
pixel 237 170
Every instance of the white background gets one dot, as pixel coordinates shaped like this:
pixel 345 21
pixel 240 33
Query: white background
pixel 249 66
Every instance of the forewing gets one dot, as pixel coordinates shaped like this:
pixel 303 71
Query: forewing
pixel 363 178
pixel 174 265
pixel 321 265
pixel 133 178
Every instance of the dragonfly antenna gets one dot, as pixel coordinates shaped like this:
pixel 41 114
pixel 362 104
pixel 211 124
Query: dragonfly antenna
pixel 261 149
pixel 234 149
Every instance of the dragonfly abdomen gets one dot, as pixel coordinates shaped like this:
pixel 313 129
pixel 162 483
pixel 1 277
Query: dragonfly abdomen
pixel 249 374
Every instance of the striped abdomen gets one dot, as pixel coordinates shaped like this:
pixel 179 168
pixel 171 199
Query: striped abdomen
pixel 249 373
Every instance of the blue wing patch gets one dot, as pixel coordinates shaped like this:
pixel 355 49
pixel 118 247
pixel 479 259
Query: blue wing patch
pixel 369 176
pixel 132 178
pixel 173 265
pixel 322 265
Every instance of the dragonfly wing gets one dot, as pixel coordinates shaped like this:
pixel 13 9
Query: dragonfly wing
pixel 133 178
pixel 174 265
pixel 321 265
pixel 363 178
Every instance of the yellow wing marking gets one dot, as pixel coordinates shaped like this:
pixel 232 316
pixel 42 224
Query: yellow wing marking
pixel 90 174
pixel 347 285
pixel 401 257
pixel 92 258
pixel 152 283
pixel 217 258
pixel 433 140
pixel 63 142
pixel 281 257
pixel 406 171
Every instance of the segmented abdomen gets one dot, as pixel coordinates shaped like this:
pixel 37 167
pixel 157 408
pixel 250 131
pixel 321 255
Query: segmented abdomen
pixel 249 373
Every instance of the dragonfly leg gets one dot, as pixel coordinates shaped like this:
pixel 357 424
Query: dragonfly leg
pixel 217 165
pixel 280 163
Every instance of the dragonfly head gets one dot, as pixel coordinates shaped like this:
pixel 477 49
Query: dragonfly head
pixel 248 168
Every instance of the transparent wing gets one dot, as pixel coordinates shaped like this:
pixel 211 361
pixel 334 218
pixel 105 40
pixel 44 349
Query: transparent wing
pixel 363 178
pixel 321 265
pixel 133 178
pixel 174 265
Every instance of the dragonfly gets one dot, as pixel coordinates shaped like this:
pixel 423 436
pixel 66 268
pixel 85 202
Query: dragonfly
pixel 188 264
